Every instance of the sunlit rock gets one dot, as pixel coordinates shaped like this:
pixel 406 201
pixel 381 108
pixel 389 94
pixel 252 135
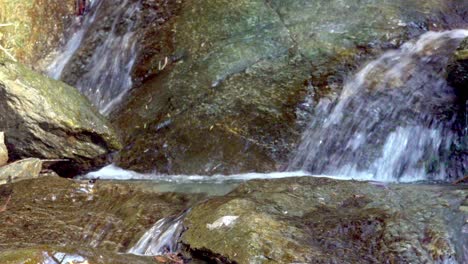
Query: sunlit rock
pixel 3 150
pixel 319 220
pixel 20 170
pixel 48 119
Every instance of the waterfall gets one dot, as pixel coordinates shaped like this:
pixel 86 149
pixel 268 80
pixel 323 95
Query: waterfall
pixel 106 76
pixel 395 119
pixel 161 238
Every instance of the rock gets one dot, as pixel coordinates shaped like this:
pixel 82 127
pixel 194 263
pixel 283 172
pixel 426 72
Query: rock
pixel 319 220
pixel 33 28
pixel 457 70
pixel 3 150
pixel 20 170
pixel 105 215
pixel 69 255
pixel 457 77
pixel 227 100
pixel 47 119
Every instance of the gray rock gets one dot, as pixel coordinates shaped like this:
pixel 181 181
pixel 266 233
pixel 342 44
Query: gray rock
pixel 3 150
pixel 48 119
pixel 20 170
pixel 319 220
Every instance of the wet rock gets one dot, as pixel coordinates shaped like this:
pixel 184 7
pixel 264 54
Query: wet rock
pixel 3 150
pixel 318 220
pixel 31 29
pixel 458 68
pixel 68 255
pixel 104 215
pixel 457 77
pixel 48 119
pixel 20 170
pixel 226 100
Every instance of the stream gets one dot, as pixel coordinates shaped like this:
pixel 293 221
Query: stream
pixel 393 122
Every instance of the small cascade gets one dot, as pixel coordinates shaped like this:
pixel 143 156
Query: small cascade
pixel 79 29
pixel 396 119
pixel 104 77
pixel 161 238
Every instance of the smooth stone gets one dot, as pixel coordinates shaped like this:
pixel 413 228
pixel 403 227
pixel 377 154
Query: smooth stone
pixel 20 170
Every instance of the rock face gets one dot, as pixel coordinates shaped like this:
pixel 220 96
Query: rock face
pixel 53 211
pixel 221 96
pixel 47 254
pixel 33 28
pixel 457 77
pixel 3 150
pixel 20 170
pixel 48 119
pixel 318 220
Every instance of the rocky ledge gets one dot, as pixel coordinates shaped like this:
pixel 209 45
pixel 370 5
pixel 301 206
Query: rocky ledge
pixel 319 220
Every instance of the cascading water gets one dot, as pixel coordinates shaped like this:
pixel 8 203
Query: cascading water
pixel 396 119
pixel 161 238
pixel 106 76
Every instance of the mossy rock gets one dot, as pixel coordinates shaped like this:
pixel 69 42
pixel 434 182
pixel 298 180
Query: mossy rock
pixel 235 72
pixel 34 28
pixel 319 220
pixel 48 119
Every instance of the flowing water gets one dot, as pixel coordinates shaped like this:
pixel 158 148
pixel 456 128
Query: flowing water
pixel 106 76
pixel 161 238
pixel 396 119
pixel 393 118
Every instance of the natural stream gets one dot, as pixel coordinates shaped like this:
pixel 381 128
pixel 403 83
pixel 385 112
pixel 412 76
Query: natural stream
pixel 106 76
pixel 393 121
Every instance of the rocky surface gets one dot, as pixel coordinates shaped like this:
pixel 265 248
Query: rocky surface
pixel 53 211
pixel 221 96
pixel 69 255
pixel 48 119
pixel 3 150
pixel 457 77
pixel 31 29
pixel 20 170
pixel 318 220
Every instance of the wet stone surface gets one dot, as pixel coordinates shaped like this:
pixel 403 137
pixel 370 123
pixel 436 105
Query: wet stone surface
pixel 54 211
pixel 318 220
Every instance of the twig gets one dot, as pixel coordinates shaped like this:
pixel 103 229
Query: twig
pixel 461 180
pixel 54 160
pixel 6 25
pixel 7 53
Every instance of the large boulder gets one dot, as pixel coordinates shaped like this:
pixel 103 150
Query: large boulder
pixel 31 29
pixel 47 119
pixel 3 150
pixel 222 95
pixel 319 220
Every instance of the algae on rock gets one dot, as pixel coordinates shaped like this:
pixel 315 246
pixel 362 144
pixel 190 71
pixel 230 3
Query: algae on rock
pixel 33 28
pixel 48 119
pixel 236 71
pixel 319 220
